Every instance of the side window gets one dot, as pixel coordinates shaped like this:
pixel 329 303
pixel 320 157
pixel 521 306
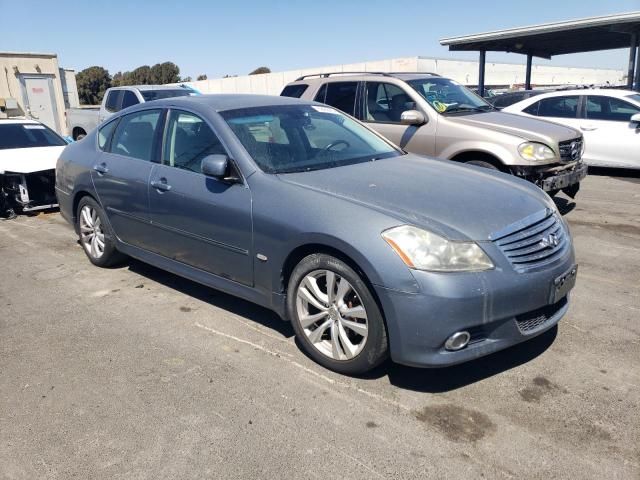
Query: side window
pixel 559 107
pixel 188 139
pixel 105 133
pixel 294 91
pixel 341 95
pixel 608 108
pixel 532 109
pixel 128 99
pixel 135 133
pixel 322 94
pixel 385 102
pixel 113 99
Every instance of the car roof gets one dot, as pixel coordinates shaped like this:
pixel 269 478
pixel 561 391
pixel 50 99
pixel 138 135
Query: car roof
pixel 27 121
pixel 341 76
pixel 151 87
pixel 607 92
pixel 231 101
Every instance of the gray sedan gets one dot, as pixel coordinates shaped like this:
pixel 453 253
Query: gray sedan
pixel 367 250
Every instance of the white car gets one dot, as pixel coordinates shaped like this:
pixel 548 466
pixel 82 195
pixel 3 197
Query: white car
pixel 608 119
pixel 28 154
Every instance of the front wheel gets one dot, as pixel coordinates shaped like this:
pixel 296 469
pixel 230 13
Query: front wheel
pixel 334 315
pixel 95 236
pixel 482 163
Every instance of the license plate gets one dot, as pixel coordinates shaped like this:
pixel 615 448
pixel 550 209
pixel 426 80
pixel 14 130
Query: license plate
pixel 563 284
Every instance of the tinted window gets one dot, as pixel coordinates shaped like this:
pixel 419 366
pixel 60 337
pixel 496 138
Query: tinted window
pixel 135 133
pixel 104 133
pixel 299 138
pixel 294 91
pixel 507 99
pixel 112 101
pixel 150 95
pixel 386 102
pixel 128 99
pixel 188 139
pixel 608 108
pixel 27 135
pixel 560 107
pixel 341 95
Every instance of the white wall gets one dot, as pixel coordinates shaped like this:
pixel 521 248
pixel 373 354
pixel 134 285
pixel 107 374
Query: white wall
pixel 466 72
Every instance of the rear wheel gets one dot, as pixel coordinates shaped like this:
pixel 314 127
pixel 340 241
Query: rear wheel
pixel 95 235
pixel 336 319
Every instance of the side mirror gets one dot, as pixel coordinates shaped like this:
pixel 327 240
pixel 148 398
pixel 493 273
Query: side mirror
pixel 215 166
pixel 636 119
pixel 412 117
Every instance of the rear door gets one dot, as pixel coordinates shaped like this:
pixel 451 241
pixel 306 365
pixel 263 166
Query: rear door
pixel 121 173
pixel 198 220
pixel 610 137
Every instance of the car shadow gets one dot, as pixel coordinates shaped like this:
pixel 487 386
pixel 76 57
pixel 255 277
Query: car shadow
pixel 439 380
pixel 434 380
pixel 213 297
pixel 565 205
pixel 625 174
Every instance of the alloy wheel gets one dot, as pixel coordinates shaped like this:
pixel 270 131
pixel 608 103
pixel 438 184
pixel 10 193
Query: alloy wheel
pixel 332 315
pixel 91 232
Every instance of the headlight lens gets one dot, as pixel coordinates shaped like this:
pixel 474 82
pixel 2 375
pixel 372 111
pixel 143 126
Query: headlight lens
pixel 536 152
pixel 424 250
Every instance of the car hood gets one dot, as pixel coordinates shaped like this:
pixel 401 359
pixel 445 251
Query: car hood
pixel 29 160
pixel 526 128
pixel 458 201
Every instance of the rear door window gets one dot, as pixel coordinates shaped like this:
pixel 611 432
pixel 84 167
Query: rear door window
pixel 559 107
pixel 341 95
pixel 113 101
pixel 294 91
pixel 135 134
pixel 608 108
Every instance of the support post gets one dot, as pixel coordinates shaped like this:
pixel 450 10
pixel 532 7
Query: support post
pixel 483 56
pixel 632 60
pixel 637 85
pixel 527 78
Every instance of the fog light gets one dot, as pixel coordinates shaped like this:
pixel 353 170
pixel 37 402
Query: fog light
pixel 457 341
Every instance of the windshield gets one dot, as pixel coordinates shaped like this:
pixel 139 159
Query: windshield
pixel 447 96
pixel 27 135
pixel 150 95
pixel 299 138
pixel 635 96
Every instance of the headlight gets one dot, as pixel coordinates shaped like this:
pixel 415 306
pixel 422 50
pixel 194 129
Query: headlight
pixel 536 152
pixel 424 250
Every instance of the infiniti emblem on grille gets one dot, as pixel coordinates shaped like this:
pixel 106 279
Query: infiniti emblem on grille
pixel 550 241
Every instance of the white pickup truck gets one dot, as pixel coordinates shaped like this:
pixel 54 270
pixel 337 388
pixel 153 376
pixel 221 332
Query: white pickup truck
pixel 81 121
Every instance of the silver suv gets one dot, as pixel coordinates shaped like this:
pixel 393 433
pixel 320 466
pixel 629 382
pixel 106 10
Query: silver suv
pixel 431 115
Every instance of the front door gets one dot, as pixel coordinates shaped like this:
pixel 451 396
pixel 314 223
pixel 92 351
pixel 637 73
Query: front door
pixel 39 100
pixel 198 220
pixel 610 137
pixel 383 104
pixel 121 174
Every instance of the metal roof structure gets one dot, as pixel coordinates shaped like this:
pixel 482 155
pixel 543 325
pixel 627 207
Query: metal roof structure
pixel 558 38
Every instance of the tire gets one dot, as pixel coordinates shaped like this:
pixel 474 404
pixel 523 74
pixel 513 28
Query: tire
pixel 80 136
pixel 351 316
pixel 93 231
pixel 553 193
pixel 482 163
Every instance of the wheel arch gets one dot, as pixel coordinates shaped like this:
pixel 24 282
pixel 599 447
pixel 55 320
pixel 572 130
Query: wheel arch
pixel 488 157
pixel 77 131
pixel 78 196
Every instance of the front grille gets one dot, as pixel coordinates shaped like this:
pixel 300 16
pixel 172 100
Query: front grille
pixel 535 320
pixel 571 150
pixel 535 241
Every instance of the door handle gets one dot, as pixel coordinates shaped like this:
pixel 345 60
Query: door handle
pixel 588 128
pixel 161 185
pixel 101 168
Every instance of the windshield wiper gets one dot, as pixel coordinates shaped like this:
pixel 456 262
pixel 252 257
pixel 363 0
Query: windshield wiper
pixel 485 108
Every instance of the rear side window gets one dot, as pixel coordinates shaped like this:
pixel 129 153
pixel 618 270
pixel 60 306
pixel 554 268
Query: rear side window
pixel 341 95
pixel 559 107
pixel 113 99
pixel 294 91
pixel 135 133
pixel 608 108
pixel 128 99
pixel 105 133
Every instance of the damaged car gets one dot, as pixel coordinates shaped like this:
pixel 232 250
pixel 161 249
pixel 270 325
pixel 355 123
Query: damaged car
pixel 28 154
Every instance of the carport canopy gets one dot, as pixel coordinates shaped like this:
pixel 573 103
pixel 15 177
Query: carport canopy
pixel 558 38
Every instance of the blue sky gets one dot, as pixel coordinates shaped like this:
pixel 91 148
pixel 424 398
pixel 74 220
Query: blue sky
pixel 234 37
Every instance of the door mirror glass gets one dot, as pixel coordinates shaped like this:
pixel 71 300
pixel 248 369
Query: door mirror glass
pixel 412 117
pixel 215 166
pixel 635 118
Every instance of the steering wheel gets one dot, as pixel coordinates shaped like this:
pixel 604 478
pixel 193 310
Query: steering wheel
pixel 335 144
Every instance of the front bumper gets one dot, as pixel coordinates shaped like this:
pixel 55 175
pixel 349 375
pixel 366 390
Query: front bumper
pixel 499 308
pixel 565 178
pixel 29 192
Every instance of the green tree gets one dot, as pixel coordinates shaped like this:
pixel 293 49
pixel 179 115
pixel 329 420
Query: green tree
pixel 202 77
pixel 92 83
pixel 167 72
pixel 260 70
